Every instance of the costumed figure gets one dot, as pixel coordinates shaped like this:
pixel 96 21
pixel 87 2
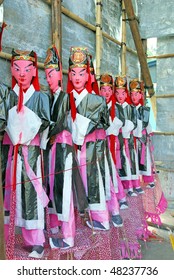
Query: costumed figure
pixel 128 170
pixel 89 112
pixel 3 110
pixel 153 200
pixel 106 90
pixel 108 174
pixel 26 133
pixel 63 167
pixel 143 131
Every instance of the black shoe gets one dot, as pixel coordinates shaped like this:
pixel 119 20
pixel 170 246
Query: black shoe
pixel 37 252
pixel 151 186
pixel 123 205
pixel 117 220
pixel 139 191
pixel 58 243
pixel 97 225
pixel 131 193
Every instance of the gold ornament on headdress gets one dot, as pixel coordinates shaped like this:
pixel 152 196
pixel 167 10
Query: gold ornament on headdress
pixel 23 55
pixel 105 79
pixel 120 81
pixel 134 85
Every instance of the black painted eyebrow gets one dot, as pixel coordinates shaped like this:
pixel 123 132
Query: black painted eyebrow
pixel 50 71
pixel 80 70
pixel 25 66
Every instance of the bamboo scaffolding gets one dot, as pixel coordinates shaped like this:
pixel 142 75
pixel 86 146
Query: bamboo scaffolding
pixel 98 38
pixel 139 47
pixel 57 25
pixel 90 26
pixel 123 43
pixel 2 240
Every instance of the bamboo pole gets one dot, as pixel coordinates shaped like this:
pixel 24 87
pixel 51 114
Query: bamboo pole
pixel 138 44
pixel 165 169
pixel 161 56
pixel 98 38
pixel 164 133
pixel 123 43
pixel 57 25
pixel 2 240
pixel 163 96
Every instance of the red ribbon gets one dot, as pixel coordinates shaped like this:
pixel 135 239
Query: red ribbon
pixel 20 99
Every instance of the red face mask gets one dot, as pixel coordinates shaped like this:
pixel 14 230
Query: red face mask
pixel 106 91
pixel 136 97
pixel 53 77
pixel 120 95
pixel 79 78
pixel 23 71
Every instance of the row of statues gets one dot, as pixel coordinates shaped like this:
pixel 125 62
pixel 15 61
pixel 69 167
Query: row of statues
pixel 87 148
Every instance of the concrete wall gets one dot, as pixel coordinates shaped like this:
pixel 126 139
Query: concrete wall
pixel 29 27
pixel 156 20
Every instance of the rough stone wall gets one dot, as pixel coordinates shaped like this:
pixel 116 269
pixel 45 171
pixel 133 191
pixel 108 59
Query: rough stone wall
pixel 156 20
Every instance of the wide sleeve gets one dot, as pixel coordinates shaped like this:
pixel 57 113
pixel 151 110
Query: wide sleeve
pixel 146 116
pixel 129 125
pixel 44 111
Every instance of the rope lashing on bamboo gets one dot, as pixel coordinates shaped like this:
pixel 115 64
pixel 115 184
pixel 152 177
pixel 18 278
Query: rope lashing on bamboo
pixel 99 3
pixel 132 19
pixel 99 25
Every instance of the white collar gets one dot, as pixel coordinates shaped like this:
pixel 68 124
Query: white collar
pixel 79 97
pixel 109 104
pixel 27 94
pixel 57 92
pixel 138 106
pixel 123 105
